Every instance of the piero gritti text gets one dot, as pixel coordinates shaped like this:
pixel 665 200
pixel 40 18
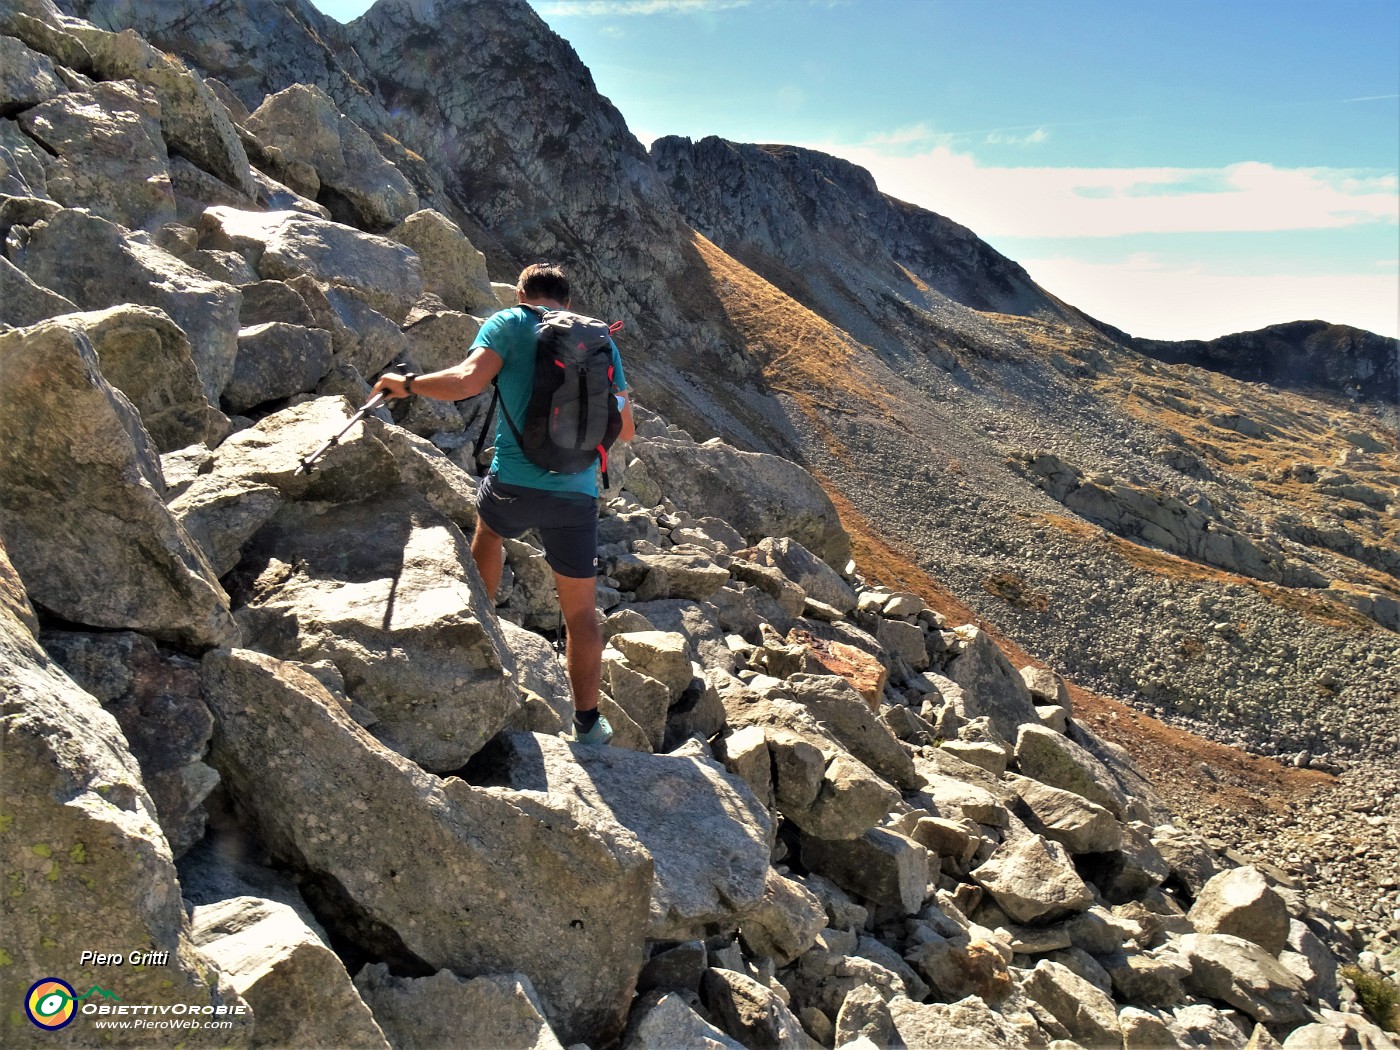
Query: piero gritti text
pixel 124 959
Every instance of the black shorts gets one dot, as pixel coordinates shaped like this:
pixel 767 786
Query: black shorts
pixel 566 521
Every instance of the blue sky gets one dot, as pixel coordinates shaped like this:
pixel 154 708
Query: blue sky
pixel 1178 168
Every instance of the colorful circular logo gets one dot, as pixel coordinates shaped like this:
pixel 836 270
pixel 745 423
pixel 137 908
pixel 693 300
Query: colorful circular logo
pixel 51 1003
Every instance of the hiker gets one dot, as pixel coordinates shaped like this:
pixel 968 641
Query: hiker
pixel 517 494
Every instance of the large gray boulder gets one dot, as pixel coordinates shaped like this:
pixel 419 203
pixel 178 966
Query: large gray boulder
pixel 1089 1014
pixel 818 786
pixel 453 270
pixel 785 923
pixel 1246 976
pixel 1241 902
pixel 96 264
pixel 155 698
pixel 1067 818
pixel 752 1013
pixel 969 1025
pixel 280 966
pixel 22 302
pixel 992 687
pixel 1190 857
pixel 881 866
pixel 1033 880
pixel 304 126
pixel 27 77
pixel 758 494
pixel 83 855
pixel 22 174
pixel 220 515
pixel 386 590
pixel 423 1013
pixel 193 122
pixel 664 1021
pixel 106 153
pixel 816 578
pixel 552 890
pixel 81 508
pixel 276 360
pixel 145 355
pixel 708 835
pixel 1044 755
pixel 842 712
pixel 13 599
pixel 283 245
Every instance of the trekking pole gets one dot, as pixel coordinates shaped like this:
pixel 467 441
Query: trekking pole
pixel 369 406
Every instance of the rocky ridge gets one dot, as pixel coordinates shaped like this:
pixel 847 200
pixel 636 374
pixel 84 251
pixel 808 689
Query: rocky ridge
pixel 954 371
pixel 904 838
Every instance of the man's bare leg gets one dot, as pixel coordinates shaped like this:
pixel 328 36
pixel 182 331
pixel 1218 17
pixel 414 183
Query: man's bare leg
pixel 584 653
pixel 489 554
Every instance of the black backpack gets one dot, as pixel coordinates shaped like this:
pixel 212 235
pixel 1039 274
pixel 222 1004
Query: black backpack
pixel 572 417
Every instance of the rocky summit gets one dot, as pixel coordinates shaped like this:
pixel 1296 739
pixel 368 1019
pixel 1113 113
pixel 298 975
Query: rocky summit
pixel 981 675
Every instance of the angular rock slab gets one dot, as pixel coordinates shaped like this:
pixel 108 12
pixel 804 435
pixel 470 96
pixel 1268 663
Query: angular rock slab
pixel 968 1025
pixel 1033 880
pixel 452 268
pixel 155 698
pixel 1089 1014
pixel 758 494
pixel 82 858
pixel 881 866
pixel 786 921
pixel 27 77
pixel 1044 755
pixel 1241 973
pixel 664 1021
pixel 423 1013
pixel 1241 902
pixel 304 124
pixel 193 121
pixel 145 355
pixel 992 688
pixel 22 302
pixel 282 968
pixel 752 1013
pixel 96 264
pixel 476 880
pixel 108 154
pixel 841 711
pixel 385 589
pixel 81 508
pixel 1067 818
pixel 709 836
pixel 15 602
pixel 283 245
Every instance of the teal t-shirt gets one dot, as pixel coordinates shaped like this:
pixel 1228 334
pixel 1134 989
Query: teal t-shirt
pixel 510 334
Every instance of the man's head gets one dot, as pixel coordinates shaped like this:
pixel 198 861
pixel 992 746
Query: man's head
pixel 543 281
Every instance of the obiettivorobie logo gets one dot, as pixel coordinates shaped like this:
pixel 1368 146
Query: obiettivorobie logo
pixel 52 1004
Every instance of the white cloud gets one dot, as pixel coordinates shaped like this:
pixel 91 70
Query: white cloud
pixel 1110 202
pixel 1010 138
pixel 1146 298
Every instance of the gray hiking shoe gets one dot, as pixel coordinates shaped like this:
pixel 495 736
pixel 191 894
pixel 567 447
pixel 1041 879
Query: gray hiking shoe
pixel 598 736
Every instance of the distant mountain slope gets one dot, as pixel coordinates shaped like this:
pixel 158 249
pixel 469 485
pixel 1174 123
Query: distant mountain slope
pixel 1300 355
pixel 818 227
pixel 1210 547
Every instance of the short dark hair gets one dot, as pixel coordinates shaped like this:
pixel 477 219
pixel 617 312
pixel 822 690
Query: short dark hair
pixel 543 281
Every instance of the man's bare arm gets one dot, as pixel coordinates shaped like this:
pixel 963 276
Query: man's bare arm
pixel 463 380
